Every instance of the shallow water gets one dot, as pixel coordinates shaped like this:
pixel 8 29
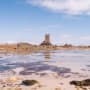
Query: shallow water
pixel 62 62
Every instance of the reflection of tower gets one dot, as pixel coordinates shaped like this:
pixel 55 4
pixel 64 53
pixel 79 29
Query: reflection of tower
pixel 47 55
pixel 47 40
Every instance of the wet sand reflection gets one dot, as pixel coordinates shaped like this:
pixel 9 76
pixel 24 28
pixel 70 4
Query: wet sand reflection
pixel 47 55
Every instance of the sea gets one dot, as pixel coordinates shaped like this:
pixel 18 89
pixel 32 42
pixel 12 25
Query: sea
pixel 65 63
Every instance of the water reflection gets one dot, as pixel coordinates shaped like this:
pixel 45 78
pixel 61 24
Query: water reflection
pixel 47 55
pixel 39 67
pixel 46 61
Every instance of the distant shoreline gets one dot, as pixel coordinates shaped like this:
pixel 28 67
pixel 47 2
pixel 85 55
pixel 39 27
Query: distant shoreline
pixel 26 48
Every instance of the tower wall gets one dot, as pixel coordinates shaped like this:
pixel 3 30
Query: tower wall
pixel 47 38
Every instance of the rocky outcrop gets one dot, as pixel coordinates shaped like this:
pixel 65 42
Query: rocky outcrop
pixel 29 82
pixel 81 83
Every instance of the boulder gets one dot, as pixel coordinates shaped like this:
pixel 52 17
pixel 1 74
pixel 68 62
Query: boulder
pixel 29 82
pixel 76 83
pixel 85 82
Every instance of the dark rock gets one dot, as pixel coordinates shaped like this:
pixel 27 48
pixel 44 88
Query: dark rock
pixel 76 83
pixel 29 82
pixel 81 83
pixel 86 82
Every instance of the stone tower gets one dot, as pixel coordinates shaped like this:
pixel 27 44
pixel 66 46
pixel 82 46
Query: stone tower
pixel 47 40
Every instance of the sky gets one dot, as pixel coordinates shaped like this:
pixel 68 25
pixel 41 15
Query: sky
pixel 67 21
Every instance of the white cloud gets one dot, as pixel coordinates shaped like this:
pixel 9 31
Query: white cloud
pixel 72 39
pixel 65 36
pixel 85 38
pixel 73 7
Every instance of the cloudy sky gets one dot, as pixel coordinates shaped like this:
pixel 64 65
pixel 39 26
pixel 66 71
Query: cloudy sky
pixel 67 21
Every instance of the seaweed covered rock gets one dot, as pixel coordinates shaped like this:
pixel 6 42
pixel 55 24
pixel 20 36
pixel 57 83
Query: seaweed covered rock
pixel 81 83
pixel 76 83
pixel 29 82
pixel 86 82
